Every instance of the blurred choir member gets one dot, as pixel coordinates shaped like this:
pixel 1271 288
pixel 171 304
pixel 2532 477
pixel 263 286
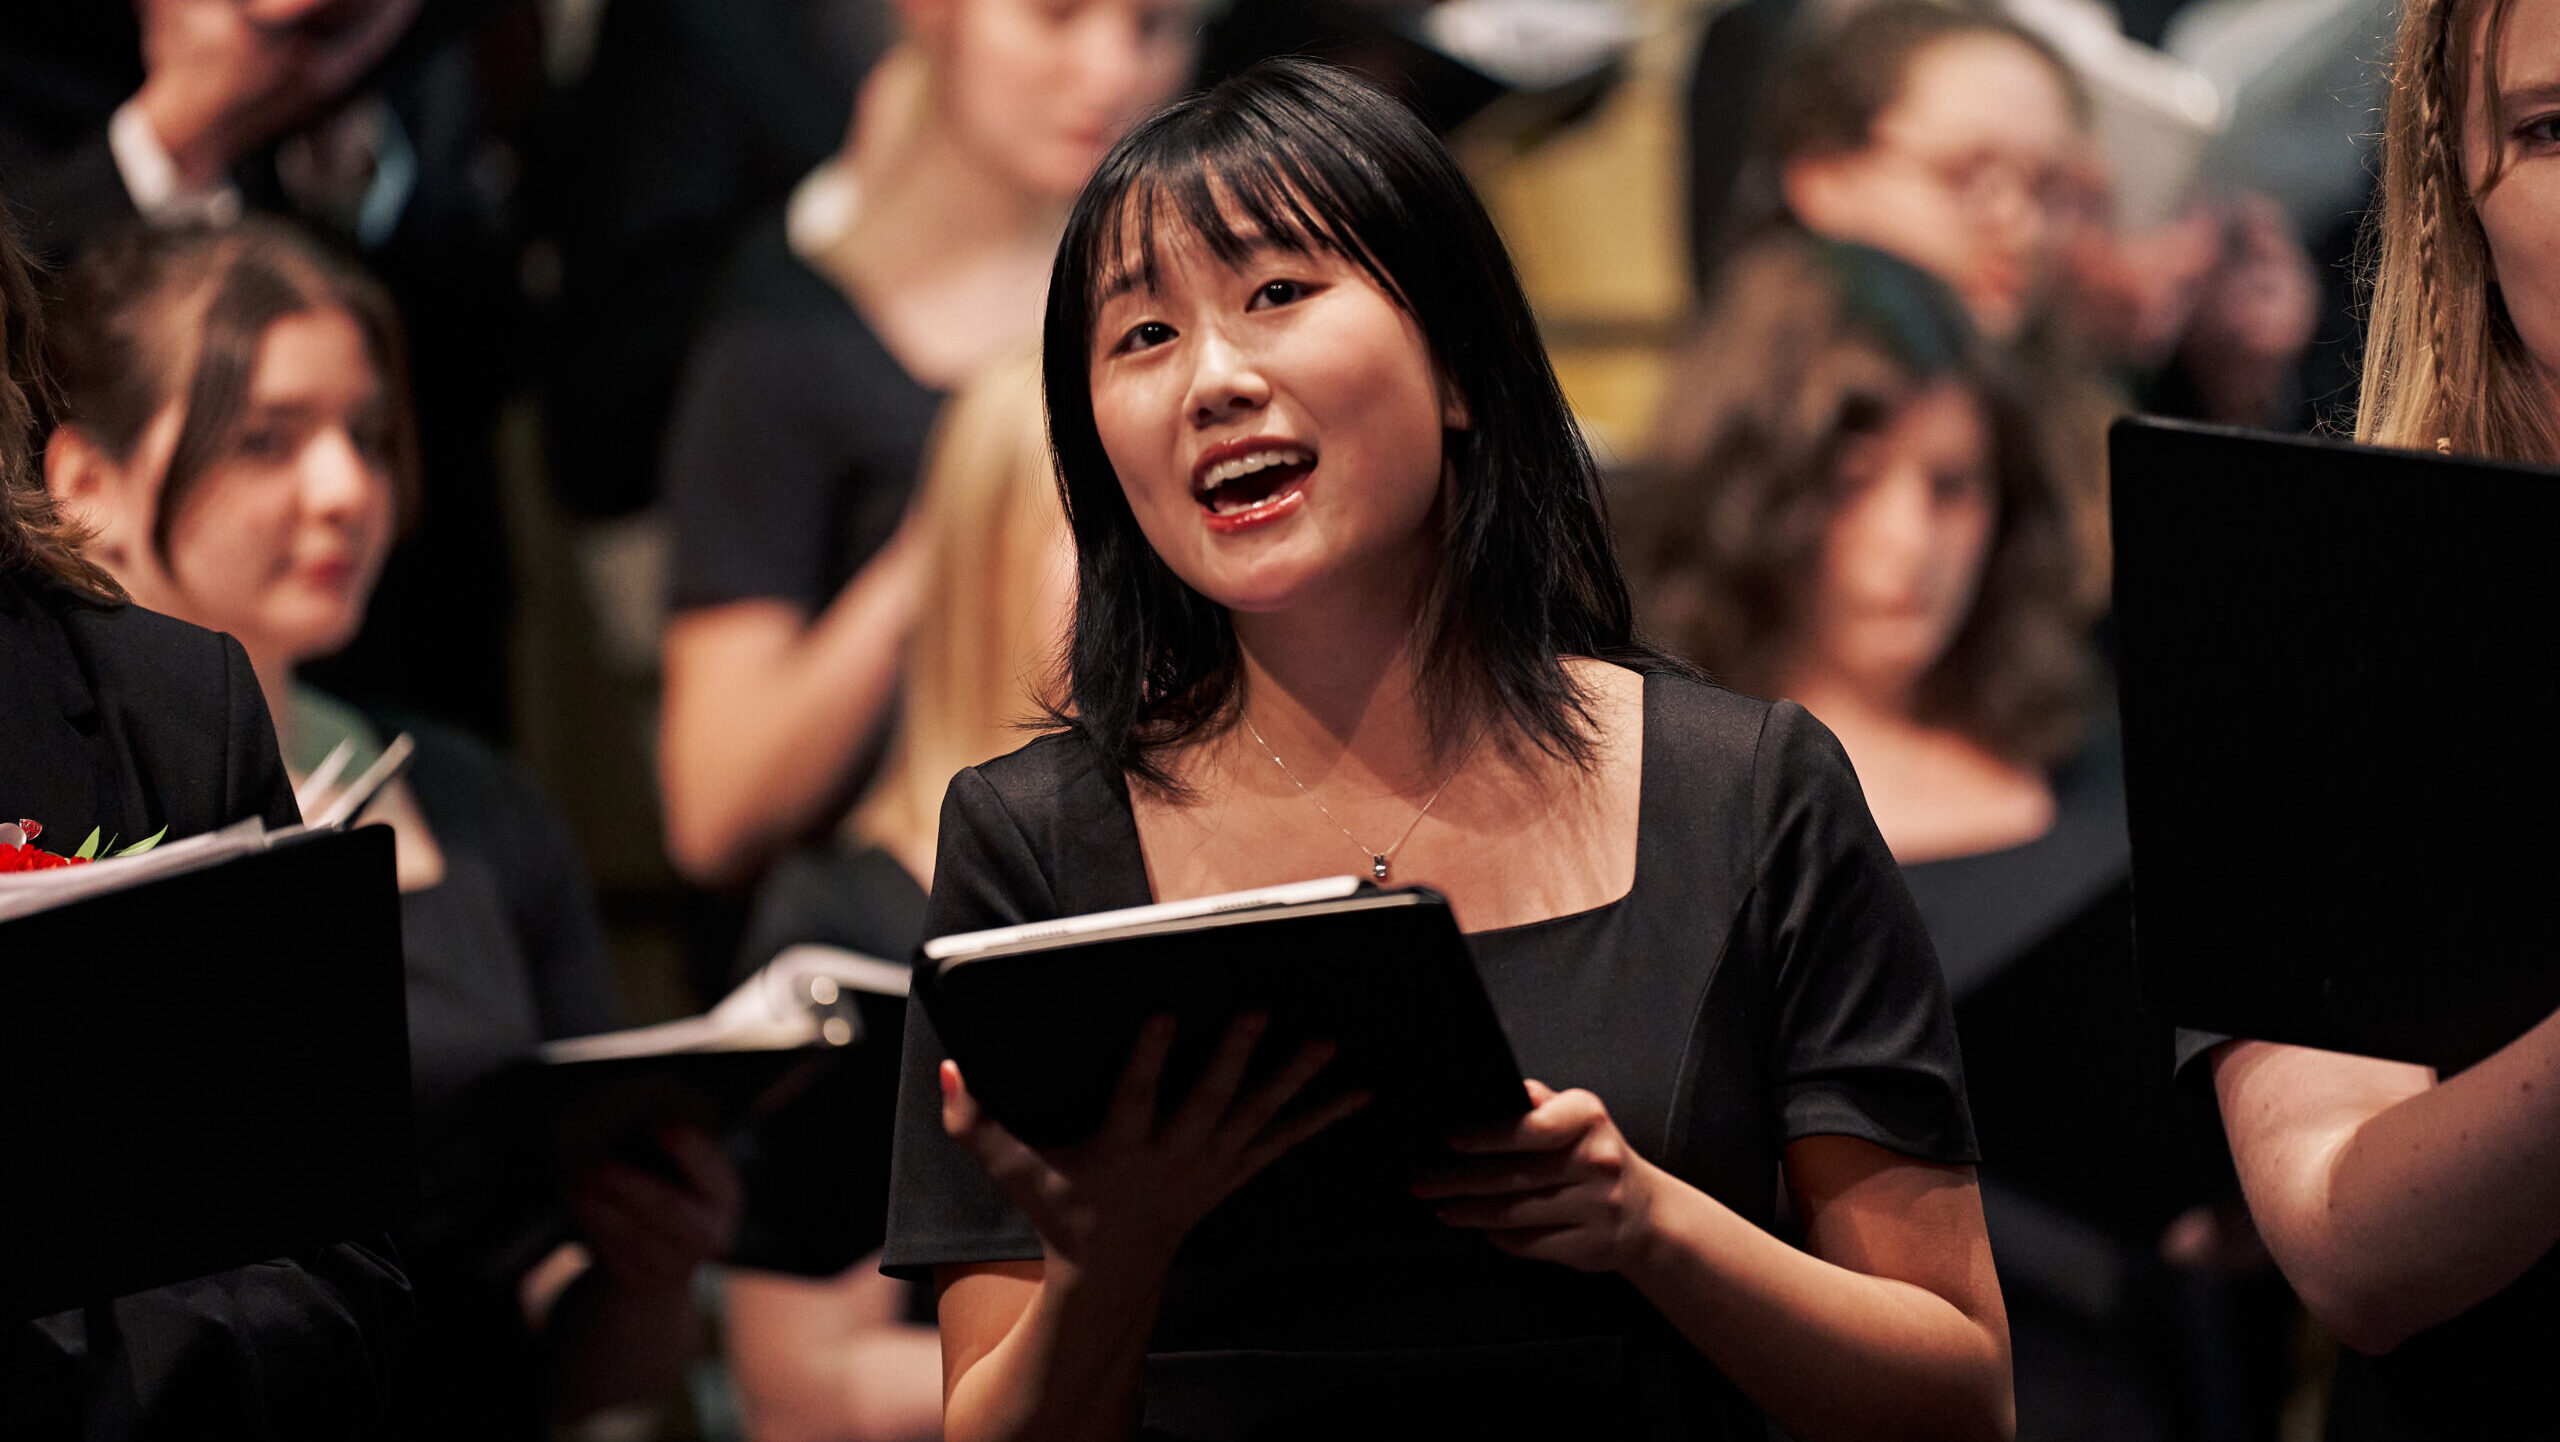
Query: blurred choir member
pixel 1346 599
pixel 1850 513
pixel 1960 141
pixel 2417 1214
pixel 395 127
pixel 236 429
pixel 127 721
pixel 906 264
pixel 1848 509
pixel 856 1358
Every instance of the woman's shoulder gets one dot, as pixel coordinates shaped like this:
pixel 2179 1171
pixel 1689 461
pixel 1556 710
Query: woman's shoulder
pixel 1056 775
pixel 120 640
pixel 1701 719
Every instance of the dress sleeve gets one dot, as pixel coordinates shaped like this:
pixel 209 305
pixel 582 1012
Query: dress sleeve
pixel 1864 1041
pixel 943 1208
pixel 746 480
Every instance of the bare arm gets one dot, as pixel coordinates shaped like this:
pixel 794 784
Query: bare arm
pixel 831 1360
pixel 2394 1202
pixel 1889 1325
pixel 765 710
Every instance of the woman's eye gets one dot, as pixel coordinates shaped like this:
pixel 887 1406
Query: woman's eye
pixel 2541 130
pixel 1959 488
pixel 1279 292
pixel 1145 335
pixel 265 443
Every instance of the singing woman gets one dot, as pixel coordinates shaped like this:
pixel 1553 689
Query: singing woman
pixel 1346 603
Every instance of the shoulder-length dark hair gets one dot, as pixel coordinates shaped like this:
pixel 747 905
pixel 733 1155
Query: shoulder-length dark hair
pixel 1296 154
pixel 35 537
pixel 1809 346
pixel 181 314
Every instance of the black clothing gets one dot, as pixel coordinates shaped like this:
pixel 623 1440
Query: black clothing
pixel 2088 1152
pixel 822 1156
pixel 865 901
pixel 127 721
pixel 2486 1373
pixel 796 439
pixel 693 118
pixel 505 954
pixel 1765 978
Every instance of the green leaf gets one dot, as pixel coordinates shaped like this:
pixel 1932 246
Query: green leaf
pixel 145 844
pixel 88 849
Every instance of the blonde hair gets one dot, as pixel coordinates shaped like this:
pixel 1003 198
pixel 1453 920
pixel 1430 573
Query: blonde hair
pixel 984 660
pixel 2443 365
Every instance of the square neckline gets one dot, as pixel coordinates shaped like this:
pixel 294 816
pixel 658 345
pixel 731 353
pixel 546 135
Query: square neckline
pixel 1645 772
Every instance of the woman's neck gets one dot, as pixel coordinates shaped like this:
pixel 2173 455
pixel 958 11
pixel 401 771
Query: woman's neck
pixel 931 205
pixel 275 679
pixel 1934 791
pixel 1852 708
pixel 1337 693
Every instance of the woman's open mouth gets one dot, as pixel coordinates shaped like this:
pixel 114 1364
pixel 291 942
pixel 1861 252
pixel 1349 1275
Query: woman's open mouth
pixel 1252 486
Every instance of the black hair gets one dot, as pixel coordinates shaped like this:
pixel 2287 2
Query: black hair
pixel 1295 154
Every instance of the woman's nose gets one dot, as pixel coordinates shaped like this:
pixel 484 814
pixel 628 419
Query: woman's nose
pixel 1225 382
pixel 1110 59
pixel 338 478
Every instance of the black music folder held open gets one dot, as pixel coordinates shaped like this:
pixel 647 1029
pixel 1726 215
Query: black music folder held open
pixel 1042 1017
pixel 796 1072
pixel 204 1070
pixel 2340 679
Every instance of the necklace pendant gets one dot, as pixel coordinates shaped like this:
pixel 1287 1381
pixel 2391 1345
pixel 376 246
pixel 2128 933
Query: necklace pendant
pixel 1378 867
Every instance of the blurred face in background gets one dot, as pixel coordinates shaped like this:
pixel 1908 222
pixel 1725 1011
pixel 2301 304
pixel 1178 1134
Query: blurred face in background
pixel 1041 88
pixel 1971 173
pixel 2520 213
pixel 1903 554
pixel 280 540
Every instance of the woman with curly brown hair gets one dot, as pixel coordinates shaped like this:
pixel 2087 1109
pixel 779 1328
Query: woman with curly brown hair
pixel 1848 511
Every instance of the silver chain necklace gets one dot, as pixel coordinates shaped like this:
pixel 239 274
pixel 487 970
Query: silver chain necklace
pixel 1377 859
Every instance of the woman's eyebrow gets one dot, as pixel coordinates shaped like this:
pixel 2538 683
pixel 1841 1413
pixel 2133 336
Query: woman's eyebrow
pixel 2541 92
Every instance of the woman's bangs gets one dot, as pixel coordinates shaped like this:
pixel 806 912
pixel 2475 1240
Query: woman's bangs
pixel 1233 201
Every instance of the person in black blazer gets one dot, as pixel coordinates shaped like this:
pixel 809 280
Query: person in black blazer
pixel 115 717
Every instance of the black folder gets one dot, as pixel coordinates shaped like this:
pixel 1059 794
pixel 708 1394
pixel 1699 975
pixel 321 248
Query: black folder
pixel 807 1125
pixel 2341 695
pixel 203 1071
pixel 1042 1024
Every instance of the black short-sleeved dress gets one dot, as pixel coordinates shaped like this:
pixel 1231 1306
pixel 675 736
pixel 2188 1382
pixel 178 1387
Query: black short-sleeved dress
pixel 1766 978
pixel 795 440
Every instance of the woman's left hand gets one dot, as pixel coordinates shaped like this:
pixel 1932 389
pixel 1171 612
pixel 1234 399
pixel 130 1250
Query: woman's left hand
pixel 648 1230
pixel 1560 1184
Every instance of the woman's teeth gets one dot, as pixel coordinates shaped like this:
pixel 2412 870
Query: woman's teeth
pixel 1254 479
pixel 1245 465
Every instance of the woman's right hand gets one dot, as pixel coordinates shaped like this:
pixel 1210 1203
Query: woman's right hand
pixel 1121 1201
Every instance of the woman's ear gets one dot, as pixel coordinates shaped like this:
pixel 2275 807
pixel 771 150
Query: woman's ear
pixel 1454 415
pixel 1813 189
pixel 93 491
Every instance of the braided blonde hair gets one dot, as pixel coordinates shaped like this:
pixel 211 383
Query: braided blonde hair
pixel 2443 366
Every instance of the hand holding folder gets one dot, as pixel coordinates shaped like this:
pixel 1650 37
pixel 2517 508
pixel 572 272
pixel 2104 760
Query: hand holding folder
pixel 1127 1074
